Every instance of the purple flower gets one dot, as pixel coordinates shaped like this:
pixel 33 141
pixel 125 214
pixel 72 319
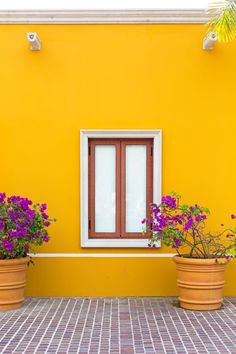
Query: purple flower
pixel 188 224
pixel 14 233
pixel 144 221
pixel 23 203
pixel 43 207
pixel 176 242
pixel 229 256
pixel 156 210
pixel 21 224
pixel 169 201
pixel 159 222
pixel 199 218
pixel 45 238
pixel 7 245
pixel 1 225
pixel 45 216
pixel 178 219
pixel 233 216
pixel 22 231
pixel 12 215
pixel 2 197
pixel 30 213
pixel 156 228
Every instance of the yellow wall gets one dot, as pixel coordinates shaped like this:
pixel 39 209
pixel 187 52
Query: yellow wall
pixel 119 77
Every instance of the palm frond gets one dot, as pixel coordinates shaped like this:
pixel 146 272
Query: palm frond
pixel 223 20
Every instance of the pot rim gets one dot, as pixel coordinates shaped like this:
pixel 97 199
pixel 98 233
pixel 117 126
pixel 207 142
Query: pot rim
pixel 14 261
pixel 203 261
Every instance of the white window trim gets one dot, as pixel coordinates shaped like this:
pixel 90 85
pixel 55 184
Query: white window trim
pixel 157 173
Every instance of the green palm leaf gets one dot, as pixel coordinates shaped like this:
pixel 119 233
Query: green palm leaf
pixel 223 20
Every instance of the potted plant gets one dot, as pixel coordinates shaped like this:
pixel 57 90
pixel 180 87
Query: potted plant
pixel 201 256
pixel 23 225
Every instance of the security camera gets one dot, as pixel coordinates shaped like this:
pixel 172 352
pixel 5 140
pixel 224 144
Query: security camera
pixel 35 43
pixel 209 40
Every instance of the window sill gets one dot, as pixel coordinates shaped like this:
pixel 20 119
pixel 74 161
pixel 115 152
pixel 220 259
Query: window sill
pixel 113 243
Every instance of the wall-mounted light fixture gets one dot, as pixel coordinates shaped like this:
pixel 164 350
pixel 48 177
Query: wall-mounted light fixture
pixel 209 40
pixel 35 43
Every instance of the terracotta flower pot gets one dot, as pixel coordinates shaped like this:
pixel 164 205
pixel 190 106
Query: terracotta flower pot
pixel 12 282
pixel 200 282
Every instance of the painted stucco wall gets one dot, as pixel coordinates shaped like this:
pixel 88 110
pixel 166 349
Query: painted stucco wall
pixel 114 77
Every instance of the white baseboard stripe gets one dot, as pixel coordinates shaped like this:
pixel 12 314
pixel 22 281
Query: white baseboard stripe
pixel 103 255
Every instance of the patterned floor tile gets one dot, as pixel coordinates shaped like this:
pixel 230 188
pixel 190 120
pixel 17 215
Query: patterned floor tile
pixel 117 326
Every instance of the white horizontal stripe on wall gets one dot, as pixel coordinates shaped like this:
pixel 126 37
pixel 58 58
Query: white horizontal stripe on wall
pixel 103 255
pixel 103 16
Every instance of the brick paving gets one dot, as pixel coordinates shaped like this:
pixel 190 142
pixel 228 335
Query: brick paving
pixel 116 325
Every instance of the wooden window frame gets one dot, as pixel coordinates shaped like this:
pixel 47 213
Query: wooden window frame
pixel 91 180
pixel 120 145
pixel 85 135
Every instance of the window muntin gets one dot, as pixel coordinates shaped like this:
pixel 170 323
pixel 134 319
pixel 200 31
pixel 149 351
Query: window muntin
pixel 119 200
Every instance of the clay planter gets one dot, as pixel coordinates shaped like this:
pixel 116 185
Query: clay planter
pixel 200 282
pixel 12 282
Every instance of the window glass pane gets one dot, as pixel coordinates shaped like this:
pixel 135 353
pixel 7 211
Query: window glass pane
pixel 136 157
pixel 105 188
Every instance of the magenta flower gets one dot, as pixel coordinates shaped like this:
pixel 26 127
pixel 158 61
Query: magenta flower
pixel 188 224
pixel 43 207
pixel 200 217
pixel 2 197
pixel 7 245
pixel 178 225
pixel 229 256
pixel 23 225
pixel 169 201
pixel 176 242
pixel 45 238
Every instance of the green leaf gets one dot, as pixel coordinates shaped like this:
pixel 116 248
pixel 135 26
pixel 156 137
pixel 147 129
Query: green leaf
pixel 223 20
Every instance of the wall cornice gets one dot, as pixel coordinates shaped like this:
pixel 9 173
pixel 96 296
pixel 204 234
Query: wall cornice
pixel 103 17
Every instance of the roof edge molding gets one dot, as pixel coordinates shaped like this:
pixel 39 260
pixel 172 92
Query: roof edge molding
pixel 103 16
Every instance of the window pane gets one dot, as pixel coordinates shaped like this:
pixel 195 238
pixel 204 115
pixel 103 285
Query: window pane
pixel 105 188
pixel 136 157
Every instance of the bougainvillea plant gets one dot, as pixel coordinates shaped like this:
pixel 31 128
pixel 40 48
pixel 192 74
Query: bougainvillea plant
pixel 183 228
pixel 23 225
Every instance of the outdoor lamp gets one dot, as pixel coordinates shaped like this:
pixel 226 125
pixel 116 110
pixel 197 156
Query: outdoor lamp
pixel 35 43
pixel 209 40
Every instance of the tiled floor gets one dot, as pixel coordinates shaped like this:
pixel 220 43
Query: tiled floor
pixel 116 325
